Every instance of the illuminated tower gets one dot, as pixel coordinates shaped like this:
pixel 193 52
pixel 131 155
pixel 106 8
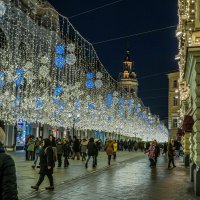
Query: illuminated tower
pixel 128 80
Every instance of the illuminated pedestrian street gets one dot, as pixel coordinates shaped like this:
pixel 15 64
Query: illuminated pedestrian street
pixel 129 177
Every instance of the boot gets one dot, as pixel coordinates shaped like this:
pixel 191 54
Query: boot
pixel 49 188
pixel 35 187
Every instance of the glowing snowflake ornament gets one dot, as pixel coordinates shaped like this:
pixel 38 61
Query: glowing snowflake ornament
pixel 70 59
pixel 71 47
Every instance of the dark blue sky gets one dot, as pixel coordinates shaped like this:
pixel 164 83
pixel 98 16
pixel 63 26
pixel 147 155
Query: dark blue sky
pixel 153 53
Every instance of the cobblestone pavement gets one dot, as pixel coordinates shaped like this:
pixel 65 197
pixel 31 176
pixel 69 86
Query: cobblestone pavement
pixel 26 176
pixel 126 179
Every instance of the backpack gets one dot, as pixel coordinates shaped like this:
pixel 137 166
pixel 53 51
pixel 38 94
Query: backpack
pixel 55 158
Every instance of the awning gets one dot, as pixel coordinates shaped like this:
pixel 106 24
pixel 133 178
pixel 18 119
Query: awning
pixel 188 123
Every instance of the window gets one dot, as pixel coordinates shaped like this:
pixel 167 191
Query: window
pixel 175 103
pixel 174 123
pixel 175 84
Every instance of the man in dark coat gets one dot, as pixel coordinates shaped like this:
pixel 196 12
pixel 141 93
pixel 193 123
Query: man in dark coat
pixel 92 151
pixel 8 180
pixel 46 165
pixel 76 148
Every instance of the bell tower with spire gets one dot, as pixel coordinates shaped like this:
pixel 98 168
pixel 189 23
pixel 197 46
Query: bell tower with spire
pixel 128 80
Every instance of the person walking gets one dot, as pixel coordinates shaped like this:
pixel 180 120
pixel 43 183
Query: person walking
pixel 171 154
pixel 46 165
pixel 152 154
pixel 109 149
pixel 84 144
pixel 92 148
pixel 8 180
pixel 59 148
pixel 76 148
pixel 115 149
pixel 31 147
pixel 66 152
pixel 38 147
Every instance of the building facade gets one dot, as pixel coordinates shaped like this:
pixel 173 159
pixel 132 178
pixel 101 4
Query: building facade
pixel 188 34
pixel 128 78
pixel 173 104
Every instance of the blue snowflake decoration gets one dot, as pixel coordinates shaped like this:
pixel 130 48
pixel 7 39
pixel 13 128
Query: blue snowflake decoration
pixel 58 90
pixel 2 83
pixel 77 104
pixel 90 75
pixel 143 115
pixel 19 81
pixel 39 104
pixel 60 49
pixel 130 102
pixel 121 100
pixel 91 106
pixel 59 61
pixel 89 84
pixel 121 107
pixel 19 72
pixel 56 100
pixel 109 100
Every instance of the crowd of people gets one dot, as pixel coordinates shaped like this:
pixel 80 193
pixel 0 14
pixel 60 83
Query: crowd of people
pixel 172 149
pixel 51 150
pixel 45 152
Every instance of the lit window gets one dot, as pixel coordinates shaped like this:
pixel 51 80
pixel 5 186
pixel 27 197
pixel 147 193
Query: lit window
pixel 175 123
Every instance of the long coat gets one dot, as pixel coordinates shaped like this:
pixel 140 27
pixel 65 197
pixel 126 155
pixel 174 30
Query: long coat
pixel 109 148
pixel 92 149
pixel 8 180
pixel 171 151
pixel 46 159
pixel 31 144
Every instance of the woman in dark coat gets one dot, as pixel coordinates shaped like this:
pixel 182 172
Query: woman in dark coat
pixel 8 180
pixel 92 151
pixel 46 165
pixel 171 153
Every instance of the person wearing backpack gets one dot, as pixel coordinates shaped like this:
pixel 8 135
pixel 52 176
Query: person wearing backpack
pixel 47 164
pixel 8 180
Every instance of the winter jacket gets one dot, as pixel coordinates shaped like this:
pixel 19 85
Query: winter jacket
pixel 59 148
pixel 109 147
pixel 46 159
pixel 171 151
pixel 84 146
pixel 8 180
pixel 76 146
pixel 115 147
pixel 31 144
pixel 66 150
pixel 152 152
pixel 92 149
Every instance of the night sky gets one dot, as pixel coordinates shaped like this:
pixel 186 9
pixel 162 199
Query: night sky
pixel 153 53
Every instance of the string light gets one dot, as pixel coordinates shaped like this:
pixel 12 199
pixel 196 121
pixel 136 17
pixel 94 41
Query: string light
pixel 52 75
